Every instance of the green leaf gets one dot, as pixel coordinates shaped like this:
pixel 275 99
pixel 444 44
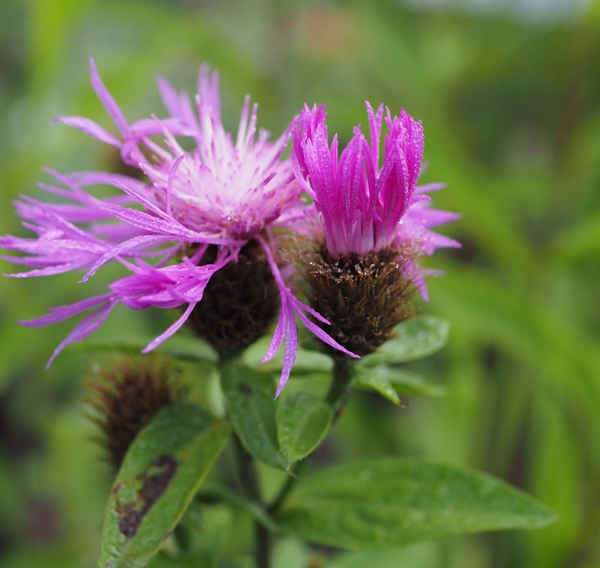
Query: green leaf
pixel 422 555
pixel 389 381
pixel 303 419
pixel 386 503
pixel 376 379
pixel 161 473
pixel 416 338
pixel 250 400
pixel 306 362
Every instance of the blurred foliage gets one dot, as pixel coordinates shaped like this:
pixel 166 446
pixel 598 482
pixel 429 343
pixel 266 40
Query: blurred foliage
pixel 511 113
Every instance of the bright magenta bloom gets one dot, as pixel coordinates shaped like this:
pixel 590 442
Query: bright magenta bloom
pixel 360 206
pixel 222 193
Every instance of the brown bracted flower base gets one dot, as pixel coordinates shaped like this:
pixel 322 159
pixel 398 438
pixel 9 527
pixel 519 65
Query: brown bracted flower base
pixel 240 302
pixel 363 297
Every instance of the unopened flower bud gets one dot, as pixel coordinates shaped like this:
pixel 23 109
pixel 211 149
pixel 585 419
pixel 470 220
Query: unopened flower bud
pixel 125 396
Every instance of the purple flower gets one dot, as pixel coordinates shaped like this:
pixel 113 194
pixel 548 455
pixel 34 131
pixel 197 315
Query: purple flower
pixel 221 194
pixel 362 207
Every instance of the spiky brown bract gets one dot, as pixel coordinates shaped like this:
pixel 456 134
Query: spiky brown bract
pixel 240 301
pixel 126 395
pixel 363 297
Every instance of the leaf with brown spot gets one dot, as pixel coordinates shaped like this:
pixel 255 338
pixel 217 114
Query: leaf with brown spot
pixel 161 473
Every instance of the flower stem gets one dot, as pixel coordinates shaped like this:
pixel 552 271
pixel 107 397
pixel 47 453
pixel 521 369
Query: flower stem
pixel 287 487
pixel 341 385
pixel 337 397
pixel 248 477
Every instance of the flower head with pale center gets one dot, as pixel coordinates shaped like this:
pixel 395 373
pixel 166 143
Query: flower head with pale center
pixel 221 195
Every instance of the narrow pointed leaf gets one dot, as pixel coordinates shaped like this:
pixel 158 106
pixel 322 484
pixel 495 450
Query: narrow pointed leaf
pixel 303 419
pixel 389 381
pixel 376 379
pixel 161 473
pixel 416 338
pixel 250 400
pixel 386 503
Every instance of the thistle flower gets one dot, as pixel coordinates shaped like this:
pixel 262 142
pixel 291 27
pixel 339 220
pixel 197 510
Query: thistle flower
pixel 201 211
pixel 372 224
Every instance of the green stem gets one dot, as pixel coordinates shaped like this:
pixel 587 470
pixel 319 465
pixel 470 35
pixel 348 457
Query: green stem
pixel 217 494
pixel 248 477
pixel 287 487
pixel 341 385
pixel 249 482
pixel 337 397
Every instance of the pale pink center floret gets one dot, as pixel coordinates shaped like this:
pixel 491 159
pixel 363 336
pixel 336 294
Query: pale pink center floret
pixel 232 190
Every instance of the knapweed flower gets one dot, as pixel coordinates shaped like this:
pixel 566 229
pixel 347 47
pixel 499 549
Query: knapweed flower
pixel 125 395
pixel 202 214
pixel 373 224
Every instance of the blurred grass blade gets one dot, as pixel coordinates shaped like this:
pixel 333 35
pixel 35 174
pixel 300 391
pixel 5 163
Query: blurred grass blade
pixel 386 503
pixel 161 473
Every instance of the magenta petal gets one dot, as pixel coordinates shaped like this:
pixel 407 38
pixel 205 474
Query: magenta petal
pixel 291 347
pixel 64 312
pixel 107 100
pixel 170 331
pixel 90 128
pixel 168 95
pixel 312 312
pixel 429 187
pixel 48 271
pixel 278 335
pixel 375 122
pixel 90 324
pixel 359 207
pixel 172 173
pixel 324 337
pixel 124 248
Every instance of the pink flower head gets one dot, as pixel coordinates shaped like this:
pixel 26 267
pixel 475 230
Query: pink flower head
pixel 223 193
pixel 361 206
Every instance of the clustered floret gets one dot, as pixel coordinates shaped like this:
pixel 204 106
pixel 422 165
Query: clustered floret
pixel 200 213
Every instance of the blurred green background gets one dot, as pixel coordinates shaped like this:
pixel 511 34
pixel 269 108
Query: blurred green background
pixel 509 96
